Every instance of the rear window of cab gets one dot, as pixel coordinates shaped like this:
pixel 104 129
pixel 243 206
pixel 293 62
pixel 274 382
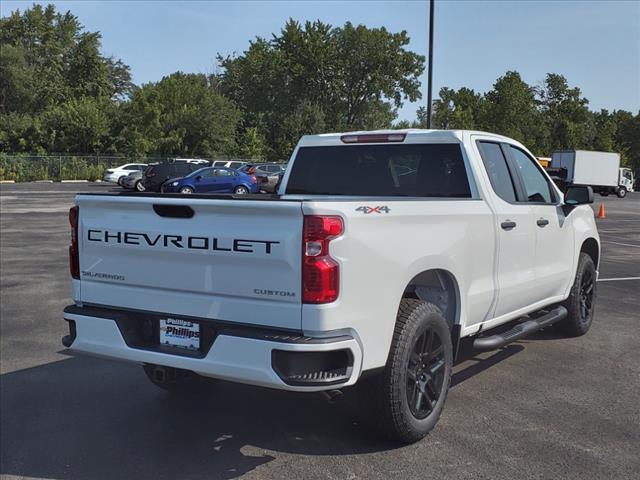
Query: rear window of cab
pixel 414 170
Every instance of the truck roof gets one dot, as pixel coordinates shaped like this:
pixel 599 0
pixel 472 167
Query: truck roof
pixel 413 135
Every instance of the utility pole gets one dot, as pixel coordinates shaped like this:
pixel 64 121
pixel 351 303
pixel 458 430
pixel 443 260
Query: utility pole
pixel 430 73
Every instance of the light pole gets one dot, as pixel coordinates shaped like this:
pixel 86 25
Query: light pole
pixel 430 72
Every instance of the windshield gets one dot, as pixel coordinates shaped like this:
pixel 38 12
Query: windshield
pixel 416 170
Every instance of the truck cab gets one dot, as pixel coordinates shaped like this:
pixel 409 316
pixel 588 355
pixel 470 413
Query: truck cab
pixel 626 180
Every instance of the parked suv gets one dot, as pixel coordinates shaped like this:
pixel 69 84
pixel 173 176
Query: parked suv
pixel 157 174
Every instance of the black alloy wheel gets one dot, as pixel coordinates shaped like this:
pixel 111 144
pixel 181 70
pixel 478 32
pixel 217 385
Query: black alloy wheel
pixel 587 290
pixel 425 373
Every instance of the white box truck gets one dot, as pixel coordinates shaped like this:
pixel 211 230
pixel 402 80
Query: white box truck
pixel 600 170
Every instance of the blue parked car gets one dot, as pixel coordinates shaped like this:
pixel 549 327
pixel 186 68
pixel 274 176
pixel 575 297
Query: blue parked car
pixel 213 180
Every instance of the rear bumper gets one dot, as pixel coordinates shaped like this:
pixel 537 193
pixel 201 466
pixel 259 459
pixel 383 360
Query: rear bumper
pixel 250 356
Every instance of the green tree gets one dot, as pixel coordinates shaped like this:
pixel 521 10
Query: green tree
pixel 605 127
pixel 53 74
pixel 251 144
pixel 316 77
pixel 182 114
pixel 455 109
pixel 511 109
pixel 566 114
pixel 77 126
pixel 627 138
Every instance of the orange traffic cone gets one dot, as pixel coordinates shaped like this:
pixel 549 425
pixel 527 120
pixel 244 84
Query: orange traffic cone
pixel 601 212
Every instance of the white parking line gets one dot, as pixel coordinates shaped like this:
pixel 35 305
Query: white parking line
pixel 617 279
pixel 619 243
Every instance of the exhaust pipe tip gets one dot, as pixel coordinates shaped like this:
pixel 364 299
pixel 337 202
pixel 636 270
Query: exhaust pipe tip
pixel 332 396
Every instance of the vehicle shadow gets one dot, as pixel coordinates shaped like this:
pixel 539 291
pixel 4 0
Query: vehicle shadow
pixel 83 417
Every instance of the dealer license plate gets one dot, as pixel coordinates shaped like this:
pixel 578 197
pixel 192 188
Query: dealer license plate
pixel 179 333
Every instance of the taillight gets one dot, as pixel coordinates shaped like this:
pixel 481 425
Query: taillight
pixel 74 254
pixel 320 272
pixel 253 179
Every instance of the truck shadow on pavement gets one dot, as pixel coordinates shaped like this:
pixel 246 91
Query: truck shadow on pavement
pixel 86 418
pixel 82 418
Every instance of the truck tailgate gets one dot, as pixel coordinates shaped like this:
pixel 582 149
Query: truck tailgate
pixel 230 260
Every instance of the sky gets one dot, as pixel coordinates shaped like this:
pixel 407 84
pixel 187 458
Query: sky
pixel 594 44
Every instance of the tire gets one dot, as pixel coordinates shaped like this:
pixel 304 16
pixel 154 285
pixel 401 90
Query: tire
pixel 241 190
pixel 392 402
pixel 622 192
pixel 186 190
pixel 121 179
pixel 581 301
pixel 140 186
pixel 170 379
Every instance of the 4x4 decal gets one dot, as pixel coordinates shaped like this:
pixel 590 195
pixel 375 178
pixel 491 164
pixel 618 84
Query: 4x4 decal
pixel 366 209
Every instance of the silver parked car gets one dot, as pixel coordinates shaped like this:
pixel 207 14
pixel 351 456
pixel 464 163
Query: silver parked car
pixel 133 181
pixel 267 174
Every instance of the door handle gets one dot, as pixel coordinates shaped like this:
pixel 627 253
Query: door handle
pixel 508 225
pixel 542 222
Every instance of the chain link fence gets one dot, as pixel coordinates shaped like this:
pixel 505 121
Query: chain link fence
pixel 30 168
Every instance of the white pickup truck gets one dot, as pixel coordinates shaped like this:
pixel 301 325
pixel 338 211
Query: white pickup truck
pixel 381 251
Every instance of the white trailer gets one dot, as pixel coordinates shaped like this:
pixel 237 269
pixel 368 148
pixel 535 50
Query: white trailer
pixel 600 170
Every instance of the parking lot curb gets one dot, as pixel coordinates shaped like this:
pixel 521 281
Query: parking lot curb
pixel 74 181
pixel 7 181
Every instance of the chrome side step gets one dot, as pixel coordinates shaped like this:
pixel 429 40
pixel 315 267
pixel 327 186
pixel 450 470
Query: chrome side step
pixel 521 330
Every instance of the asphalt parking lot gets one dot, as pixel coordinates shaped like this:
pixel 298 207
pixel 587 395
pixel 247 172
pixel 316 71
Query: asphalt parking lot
pixel 544 407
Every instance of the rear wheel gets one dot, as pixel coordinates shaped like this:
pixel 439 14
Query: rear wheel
pixel 404 402
pixel 622 192
pixel 186 190
pixel 170 379
pixel 140 186
pixel 241 190
pixel 581 301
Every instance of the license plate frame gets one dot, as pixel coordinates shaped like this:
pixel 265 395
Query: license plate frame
pixel 179 333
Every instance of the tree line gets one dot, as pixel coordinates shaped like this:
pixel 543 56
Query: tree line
pixel 59 93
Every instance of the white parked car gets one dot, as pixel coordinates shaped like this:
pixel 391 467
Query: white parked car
pixel 235 164
pixel 114 174
pixel 382 251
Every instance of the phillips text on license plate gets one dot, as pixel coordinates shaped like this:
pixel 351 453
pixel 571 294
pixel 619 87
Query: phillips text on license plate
pixel 179 333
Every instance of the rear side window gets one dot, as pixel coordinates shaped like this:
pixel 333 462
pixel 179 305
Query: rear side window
pixel 417 170
pixel 496 166
pixel 235 164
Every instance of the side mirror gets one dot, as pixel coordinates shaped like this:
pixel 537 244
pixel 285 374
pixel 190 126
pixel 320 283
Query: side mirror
pixel 578 195
pixel 199 177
